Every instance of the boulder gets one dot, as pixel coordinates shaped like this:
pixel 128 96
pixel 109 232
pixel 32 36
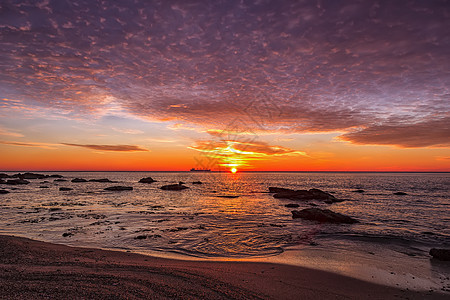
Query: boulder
pixel 147 180
pixel 61 180
pixel 292 205
pixel 100 180
pixel 4 192
pixel 30 176
pixel 173 187
pixel 65 189
pixel 3 175
pixel 323 216
pixel 17 181
pixel 43 187
pixel 197 182
pixel 303 195
pixel 440 254
pixel 2 181
pixel 119 188
pixel 79 180
pixel 358 191
pixel 55 176
pixel 400 193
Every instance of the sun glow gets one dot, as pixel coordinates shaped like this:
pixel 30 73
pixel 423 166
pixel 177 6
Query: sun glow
pixel 233 170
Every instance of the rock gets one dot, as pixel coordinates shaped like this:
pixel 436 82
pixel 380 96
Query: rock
pixel 43 187
pixel 440 254
pixel 55 176
pixel 400 193
pixel 227 196
pixel 3 175
pixel 79 180
pixel 147 180
pixel 181 182
pixel 323 216
pixel 279 190
pixel 358 191
pixel 59 180
pixel 17 181
pixel 303 195
pixel 293 205
pixel 119 188
pixel 173 187
pixel 100 180
pixel 65 189
pixel 2 181
pixel 66 234
pixel 29 176
pixel 4 192
pixel 197 182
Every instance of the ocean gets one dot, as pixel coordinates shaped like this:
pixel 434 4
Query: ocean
pixel 233 216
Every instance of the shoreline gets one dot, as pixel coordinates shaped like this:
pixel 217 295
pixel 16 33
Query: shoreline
pixel 37 270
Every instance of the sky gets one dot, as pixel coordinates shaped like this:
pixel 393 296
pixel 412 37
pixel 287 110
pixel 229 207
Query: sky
pixel 256 85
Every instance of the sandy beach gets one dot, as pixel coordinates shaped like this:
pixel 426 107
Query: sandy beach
pixel 39 270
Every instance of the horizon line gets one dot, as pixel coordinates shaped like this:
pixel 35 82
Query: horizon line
pixel 226 171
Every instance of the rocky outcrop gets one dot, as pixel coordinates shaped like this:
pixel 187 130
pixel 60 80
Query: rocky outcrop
pixel 79 180
pixel 147 180
pixel 358 191
pixel 292 205
pixel 3 175
pixel 4 192
pixel 440 254
pixel 119 188
pixel 65 189
pixel 323 216
pixel 400 193
pixel 303 195
pixel 17 181
pixel 101 180
pixel 174 187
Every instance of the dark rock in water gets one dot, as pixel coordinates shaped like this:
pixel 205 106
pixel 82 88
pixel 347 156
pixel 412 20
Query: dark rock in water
pixel 293 205
pixel 440 254
pixel 303 195
pixel 2 181
pixel 358 191
pixel 400 193
pixel 100 180
pixel 173 187
pixel 323 216
pixel 181 182
pixel 59 180
pixel 55 176
pixel 65 189
pixel 119 188
pixel 147 180
pixel 279 190
pixel 227 196
pixel 66 234
pixel 4 192
pixel 79 180
pixel 197 182
pixel 43 187
pixel 17 181
pixel 3 175
pixel 30 176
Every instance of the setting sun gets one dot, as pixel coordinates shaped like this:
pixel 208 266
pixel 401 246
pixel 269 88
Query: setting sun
pixel 233 170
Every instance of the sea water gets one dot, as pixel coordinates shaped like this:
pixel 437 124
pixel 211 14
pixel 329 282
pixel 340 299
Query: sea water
pixel 232 216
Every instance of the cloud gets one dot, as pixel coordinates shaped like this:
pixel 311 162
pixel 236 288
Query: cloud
pixel 430 133
pixel 30 144
pixel 7 132
pixel 119 148
pixel 240 153
pixel 285 66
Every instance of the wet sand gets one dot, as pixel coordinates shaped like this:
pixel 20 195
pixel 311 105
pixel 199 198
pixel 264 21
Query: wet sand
pixel 38 270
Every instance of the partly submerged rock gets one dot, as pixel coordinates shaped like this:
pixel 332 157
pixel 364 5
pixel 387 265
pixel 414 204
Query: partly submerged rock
pixel 29 176
pixel 358 191
pixel 119 188
pixel 323 216
pixel 3 175
pixel 65 189
pixel 147 180
pixel 174 187
pixel 4 192
pixel 59 180
pixel 303 195
pixel 100 180
pixel 197 182
pixel 79 180
pixel 292 205
pixel 43 187
pixel 228 196
pixel 440 254
pixel 17 181
pixel 400 193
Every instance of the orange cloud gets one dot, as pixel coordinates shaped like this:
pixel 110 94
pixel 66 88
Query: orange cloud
pixel 233 153
pixel 120 148
pixel 29 144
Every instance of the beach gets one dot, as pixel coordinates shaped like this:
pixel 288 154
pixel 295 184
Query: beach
pixel 38 270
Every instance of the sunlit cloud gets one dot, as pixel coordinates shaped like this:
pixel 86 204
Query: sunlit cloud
pixel 7 132
pixel 119 148
pixel 233 153
pixel 30 144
